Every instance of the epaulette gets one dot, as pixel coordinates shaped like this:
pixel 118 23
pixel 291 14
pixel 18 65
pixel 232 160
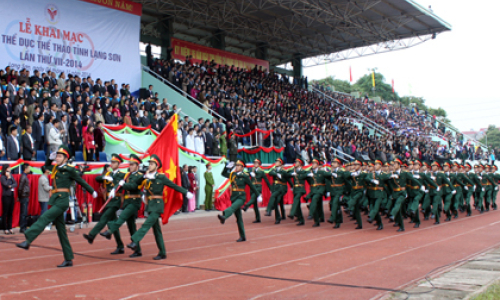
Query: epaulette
pixel 140 173
pixel 72 166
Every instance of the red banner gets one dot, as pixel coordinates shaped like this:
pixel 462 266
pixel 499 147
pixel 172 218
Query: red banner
pixel 123 5
pixel 221 57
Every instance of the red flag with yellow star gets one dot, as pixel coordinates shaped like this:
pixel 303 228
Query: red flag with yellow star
pixel 167 149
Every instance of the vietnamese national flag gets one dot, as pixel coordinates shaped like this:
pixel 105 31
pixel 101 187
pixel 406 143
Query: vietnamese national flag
pixel 167 149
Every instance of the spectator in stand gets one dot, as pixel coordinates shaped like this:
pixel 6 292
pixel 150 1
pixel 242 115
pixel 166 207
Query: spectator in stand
pixel 24 197
pixel 199 143
pixel 190 140
pixel 88 140
pixel 13 147
pixel 233 148
pixel 193 188
pixel 74 136
pixel 28 144
pixel 8 186
pixel 44 190
pixel 99 140
pixel 55 136
pixel 186 185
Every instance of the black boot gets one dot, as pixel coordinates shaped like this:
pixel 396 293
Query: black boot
pixel 417 225
pixel 370 220
pixel 106 234
pixel 66 263
pixel 401 229
pixel 158 257
pixel 336 226
pixel 301 223
pixel 221 219
pixel 241 240
pixel 24 245
pixel 316 225
pixel 132 246
pixel 118 251
pixel 244 208
pixel 380 227
pixel 267 214
pixel 256 221
pixel 135 254
pixel 359 227
pixel 89 238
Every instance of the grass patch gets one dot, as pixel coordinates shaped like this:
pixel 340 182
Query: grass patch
pixel 492 293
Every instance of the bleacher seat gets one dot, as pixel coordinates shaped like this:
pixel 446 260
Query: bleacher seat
pixel 79 156
pixel 40 155
pixel 103 157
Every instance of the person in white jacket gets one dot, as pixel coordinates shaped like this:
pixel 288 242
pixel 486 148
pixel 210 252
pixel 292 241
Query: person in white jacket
pixel 199 143
pixel 190 140
pixel 55 136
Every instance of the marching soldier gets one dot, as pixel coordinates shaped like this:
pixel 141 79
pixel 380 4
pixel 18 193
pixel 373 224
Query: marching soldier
pixel 336 189
pixel 299 189
pixel 470 178
pixel 477 178
pixel 238 181
pixel 399 180
pixel 316 179
pixel 280 188
pixel 62 176
pixel 496 178
pixel 257 175
pixel 437 194
pixel 131 199
pixel 448 191
pixel 154 185
pixel 467 185
pixel 357 190
pixel 110 181
pixel 376 192
pixel 417 196
pixel 491 186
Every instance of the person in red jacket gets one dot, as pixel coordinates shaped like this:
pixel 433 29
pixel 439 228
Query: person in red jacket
pixel 88 139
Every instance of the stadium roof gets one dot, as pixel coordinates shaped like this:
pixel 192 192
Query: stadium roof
pixel 325 29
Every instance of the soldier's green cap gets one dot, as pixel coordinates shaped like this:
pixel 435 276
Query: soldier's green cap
pixel 156 160
pixel 115 157
pixel 64 150
pixel 135 159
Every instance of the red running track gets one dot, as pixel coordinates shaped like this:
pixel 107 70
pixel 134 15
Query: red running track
pixel 205 262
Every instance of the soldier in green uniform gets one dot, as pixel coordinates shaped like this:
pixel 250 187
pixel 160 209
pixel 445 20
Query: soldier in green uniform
pixel 398 181
pixel 62 176
pixel 437 194
pixel 387 202
pixel 356 181
pixel 280 188
pixel 376 193
pixel 209 187
pixel 470 178
pixel 457 181
pixel 479 191
pixel 223 145
pixel 496 178
pixel 256 175
pixel 132 184
pixel 421 195
pixel 154 185
pixel 299 190
pixel 316 179
pixel 490 186
pixel 366 169
pixel 238 181
pixel 110 180
pixel 448 191
pixel 336 188
pixel 426 202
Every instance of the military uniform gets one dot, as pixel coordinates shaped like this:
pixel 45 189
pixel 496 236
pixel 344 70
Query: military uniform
pixel 416 195
pixel 256 179
pixel 238 196
pixel 62 178
pixel 299 190
pixel 376 193
pixel 153 189
pixel 356 182
pixel 467 191
pixel 317 180
pixel 279 190
pixel 111 208
pixel 335 187
pixel 496 179
pixel 490 188
pixel 209 182
pixel 132 201
pixel 437 193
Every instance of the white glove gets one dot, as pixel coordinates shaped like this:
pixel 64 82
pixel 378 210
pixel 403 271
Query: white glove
pixel 355 174
pixel 426 191
pixel 293 174
pixel 259 199
pixel 310 175
pixel 453 192
pixel 189 195
pixel 480 178
pixel 51 188
pixel 496 188
pixel 108 178
pixel 433 178
pixel 422 188
pixel 334 174
pixel 327 194
pixel 52 155
pixel 416 176
pixel 438 189
pixel 466 188
pixel 395 176
pixel 278 175
pixel 230 165
pixel 121 183
pixel 474 187
pixel 483 189
pixel 94 194
pixel 252 174
pixel 375 181
pixel 112 193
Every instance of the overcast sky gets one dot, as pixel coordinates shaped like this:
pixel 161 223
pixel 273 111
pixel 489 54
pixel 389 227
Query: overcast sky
pixel 458 71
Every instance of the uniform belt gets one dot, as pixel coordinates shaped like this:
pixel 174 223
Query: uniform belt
pixel 155 197
pixel 434 187
pixel 279 182
pixel 318 184
pixel 337 185
pixel 60 191
pixel 132 196
pixel 298 185
pixel 412 187
pixel 487 183
pixel 469 185
pixel 257 183
pixel 457 185
pixel 375 188
pixel 445 184
pixel 358 187
pixel 238 190
pixel 399 189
